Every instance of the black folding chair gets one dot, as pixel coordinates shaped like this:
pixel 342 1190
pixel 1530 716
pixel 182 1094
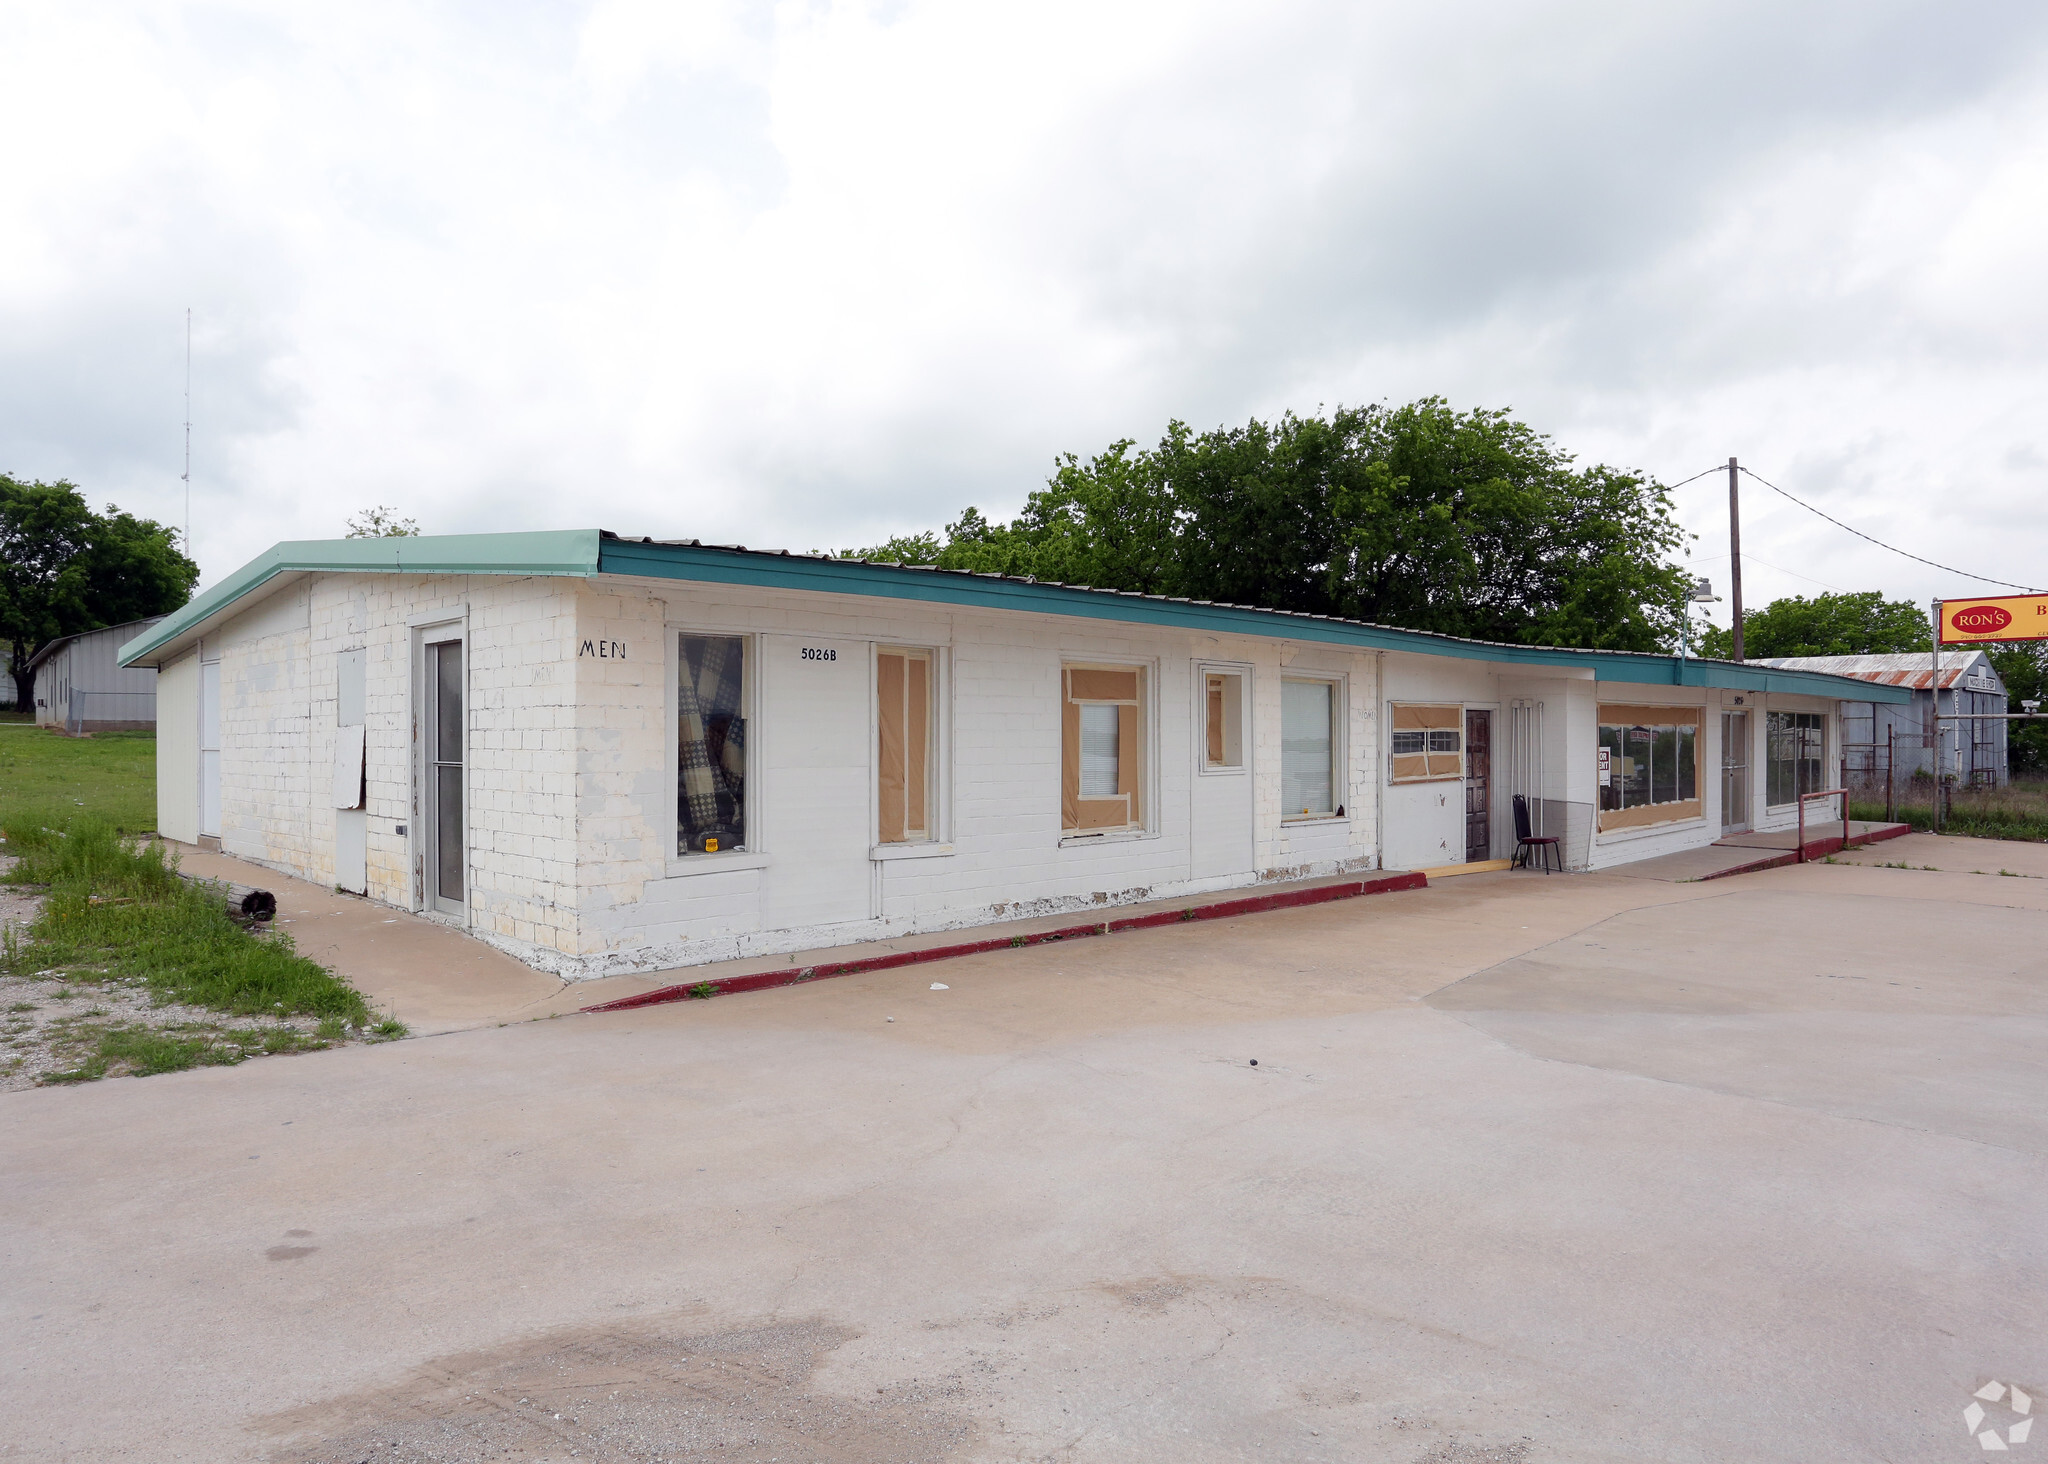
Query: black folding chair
pixel 1545 847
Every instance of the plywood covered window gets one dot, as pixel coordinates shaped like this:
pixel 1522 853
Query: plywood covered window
pixel 905 691
pixel 1428 742
pixel 1223 719
pixel 1308 749
pixel 1102 741
pixel 1649 766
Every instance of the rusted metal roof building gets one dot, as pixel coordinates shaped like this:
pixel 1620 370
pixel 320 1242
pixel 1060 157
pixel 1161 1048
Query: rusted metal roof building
pixel 1871 732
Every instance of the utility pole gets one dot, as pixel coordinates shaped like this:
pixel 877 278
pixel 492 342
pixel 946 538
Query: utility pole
pixel 1735 548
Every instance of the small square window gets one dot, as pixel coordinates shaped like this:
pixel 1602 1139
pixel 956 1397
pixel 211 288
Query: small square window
pixel 1427 743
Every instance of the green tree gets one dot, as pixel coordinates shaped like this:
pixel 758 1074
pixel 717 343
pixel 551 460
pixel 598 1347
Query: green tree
pixel 2023 667
pixel 381 523
pixel 1861 624
pixel 65 569
pixel 1421 516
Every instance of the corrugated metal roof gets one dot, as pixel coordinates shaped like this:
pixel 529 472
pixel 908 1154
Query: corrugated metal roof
pixel 1913 670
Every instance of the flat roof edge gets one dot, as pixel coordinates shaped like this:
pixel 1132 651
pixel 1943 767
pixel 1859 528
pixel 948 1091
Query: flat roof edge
pixel 818 575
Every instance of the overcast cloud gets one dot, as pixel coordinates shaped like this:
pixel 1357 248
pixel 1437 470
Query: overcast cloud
pixel 806 275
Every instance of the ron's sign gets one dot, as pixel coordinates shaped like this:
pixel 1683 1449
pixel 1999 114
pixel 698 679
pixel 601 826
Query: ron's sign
pixel 1999 618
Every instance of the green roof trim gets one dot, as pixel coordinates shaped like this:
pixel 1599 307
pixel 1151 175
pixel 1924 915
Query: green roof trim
pixel 586 552
pixel 716 565
pixel 550 552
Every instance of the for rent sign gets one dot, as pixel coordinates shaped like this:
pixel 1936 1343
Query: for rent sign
pixel 2000 618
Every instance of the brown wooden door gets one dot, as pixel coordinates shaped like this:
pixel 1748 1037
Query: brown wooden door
pixel 1478 786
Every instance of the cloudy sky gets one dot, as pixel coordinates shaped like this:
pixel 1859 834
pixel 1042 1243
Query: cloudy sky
pixel 806 275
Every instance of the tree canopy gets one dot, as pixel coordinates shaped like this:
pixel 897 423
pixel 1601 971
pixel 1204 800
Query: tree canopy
pixel 2023 667
pixel 66 569
pixel 381 522
pixel 1421 516
pixel 1861 624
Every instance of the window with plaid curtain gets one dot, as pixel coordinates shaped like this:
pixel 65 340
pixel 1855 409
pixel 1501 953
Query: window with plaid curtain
pixel 711 801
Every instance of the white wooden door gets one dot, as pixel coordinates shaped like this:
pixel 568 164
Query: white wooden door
pixel 351 819
pixel 209 748
pixel 1220 807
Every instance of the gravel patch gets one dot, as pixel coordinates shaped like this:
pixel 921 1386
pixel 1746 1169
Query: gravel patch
pixel 741 1397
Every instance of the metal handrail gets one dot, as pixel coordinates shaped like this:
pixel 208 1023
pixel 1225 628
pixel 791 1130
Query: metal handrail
pixel 1843 794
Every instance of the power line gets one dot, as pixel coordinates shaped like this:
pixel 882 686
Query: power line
pixel 1945 568
pixel 1749 558
pixel 1716 468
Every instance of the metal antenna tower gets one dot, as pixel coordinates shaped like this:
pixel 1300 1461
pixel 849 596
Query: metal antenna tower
pixel 188 431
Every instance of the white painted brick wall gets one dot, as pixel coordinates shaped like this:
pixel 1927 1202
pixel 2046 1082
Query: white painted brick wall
pixel 644 907
pixel 571 779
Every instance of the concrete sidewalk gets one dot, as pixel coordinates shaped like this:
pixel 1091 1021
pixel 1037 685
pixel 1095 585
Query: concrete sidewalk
pixel 1749 852
pixel 431 976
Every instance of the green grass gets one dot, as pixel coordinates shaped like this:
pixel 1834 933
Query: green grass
pixel 2017 811
pixel 49 779
pixel 117 909
pixel 145 1051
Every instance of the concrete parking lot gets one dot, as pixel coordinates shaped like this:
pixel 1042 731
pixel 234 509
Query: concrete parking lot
pixel 1529 1169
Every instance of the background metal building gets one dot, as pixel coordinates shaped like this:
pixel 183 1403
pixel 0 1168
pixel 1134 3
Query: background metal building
pixel 1873 732
pixel 82 686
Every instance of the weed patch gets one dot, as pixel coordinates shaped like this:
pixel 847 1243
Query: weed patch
pixel 161 961
pixel 120 910
pixel 2016 811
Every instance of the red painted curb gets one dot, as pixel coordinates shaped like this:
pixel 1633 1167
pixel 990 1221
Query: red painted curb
pixel 1815 849
pixel 1774 861
pixel 1220 910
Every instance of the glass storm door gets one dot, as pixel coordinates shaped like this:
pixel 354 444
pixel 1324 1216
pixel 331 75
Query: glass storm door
pixel 445 873
pixel 1478 786
pixel 1734 772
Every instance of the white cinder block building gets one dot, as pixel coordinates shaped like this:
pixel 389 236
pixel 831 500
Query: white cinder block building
pixel 605 754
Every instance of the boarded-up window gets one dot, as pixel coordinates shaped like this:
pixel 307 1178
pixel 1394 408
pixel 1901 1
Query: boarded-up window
pixel 1649 765
pixel 1223 719
pixel 1427 743
pixel 904 688
pixel 1308 749
pixel 1102 712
